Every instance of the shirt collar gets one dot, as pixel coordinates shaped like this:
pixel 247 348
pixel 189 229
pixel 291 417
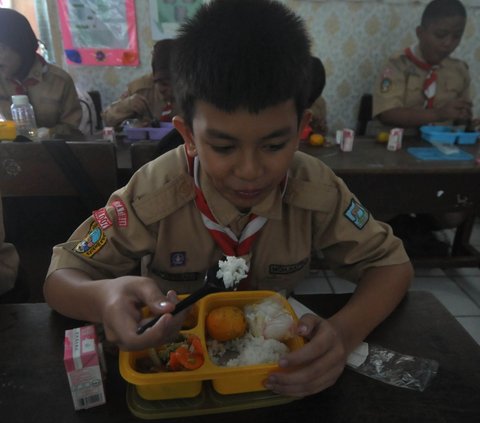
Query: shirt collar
pixel 226 213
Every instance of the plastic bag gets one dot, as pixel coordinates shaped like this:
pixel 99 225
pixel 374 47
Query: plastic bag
pixel 404 371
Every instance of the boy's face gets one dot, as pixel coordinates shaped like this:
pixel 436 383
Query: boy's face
pixel 162 81
pixel 246 155
pixel 440 38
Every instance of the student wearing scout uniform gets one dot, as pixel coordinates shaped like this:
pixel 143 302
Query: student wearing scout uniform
pixel 50 89
pixel 237 187
pixel 420 86
pixel 147 98
pixel 423 84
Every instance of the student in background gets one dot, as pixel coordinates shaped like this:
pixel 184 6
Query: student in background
pixel 50 89
pixel 148 98
pixel 242 107
pixel 420 86
pixel 423 84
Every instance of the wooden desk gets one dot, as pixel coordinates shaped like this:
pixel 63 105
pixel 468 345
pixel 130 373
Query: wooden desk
pixel 34 386
pixel 390 183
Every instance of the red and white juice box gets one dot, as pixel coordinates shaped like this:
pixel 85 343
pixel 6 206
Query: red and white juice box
pixel 347 140
pixel 395 139
pixel 109 133
pixel 84 363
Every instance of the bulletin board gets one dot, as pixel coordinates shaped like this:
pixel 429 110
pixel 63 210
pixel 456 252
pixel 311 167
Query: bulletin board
pixel 166 16
pixel 99 32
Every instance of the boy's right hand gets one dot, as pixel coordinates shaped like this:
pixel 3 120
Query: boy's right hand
pixel 455 110
pixel 121 312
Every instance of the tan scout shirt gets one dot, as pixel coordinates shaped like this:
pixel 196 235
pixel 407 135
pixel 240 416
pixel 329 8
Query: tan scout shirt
pixel 9 260
pixel 400 84
pixel 121 109
pixel 54 100
pixel 155 215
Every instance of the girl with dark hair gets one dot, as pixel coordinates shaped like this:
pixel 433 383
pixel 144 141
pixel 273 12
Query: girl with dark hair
pixel 51 90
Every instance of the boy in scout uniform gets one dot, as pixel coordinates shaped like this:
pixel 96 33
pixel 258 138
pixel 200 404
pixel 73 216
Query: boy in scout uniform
pixel 238 187
pixel 424 85
pixel 149 97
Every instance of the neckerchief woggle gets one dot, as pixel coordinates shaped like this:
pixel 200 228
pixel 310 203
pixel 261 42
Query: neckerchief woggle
pixel 229 243
pixel 430 83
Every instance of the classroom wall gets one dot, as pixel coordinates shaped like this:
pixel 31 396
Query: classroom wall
pixel 353 39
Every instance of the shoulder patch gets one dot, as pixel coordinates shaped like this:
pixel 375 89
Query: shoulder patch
pixel 357 214
pixel 102 218
pixel 122 213
pixel 93 242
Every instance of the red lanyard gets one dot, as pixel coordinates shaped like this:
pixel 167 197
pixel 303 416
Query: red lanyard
pixel 430 83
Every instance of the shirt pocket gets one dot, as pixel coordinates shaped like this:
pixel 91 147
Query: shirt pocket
pixel 413 95
pixel 454 87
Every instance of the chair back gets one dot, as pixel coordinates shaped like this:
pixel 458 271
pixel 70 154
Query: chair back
pixel 43 203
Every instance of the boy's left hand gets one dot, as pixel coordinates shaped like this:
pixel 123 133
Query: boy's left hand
pixel 314 367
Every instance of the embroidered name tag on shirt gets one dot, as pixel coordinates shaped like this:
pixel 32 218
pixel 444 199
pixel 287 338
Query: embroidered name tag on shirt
pixel 285 269
pixel 357 214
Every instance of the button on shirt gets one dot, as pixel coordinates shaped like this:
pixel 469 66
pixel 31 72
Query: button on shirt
pixel 160 221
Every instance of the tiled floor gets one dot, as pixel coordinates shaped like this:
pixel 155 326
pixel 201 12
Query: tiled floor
pixel 457 289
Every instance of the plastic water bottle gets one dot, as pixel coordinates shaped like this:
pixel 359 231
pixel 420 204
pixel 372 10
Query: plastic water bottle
pixel 24 117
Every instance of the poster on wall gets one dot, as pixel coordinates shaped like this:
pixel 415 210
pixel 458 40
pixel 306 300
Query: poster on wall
pixel 167 15
pixel 99 32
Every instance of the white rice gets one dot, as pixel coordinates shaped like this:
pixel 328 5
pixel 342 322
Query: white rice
pixel 247 350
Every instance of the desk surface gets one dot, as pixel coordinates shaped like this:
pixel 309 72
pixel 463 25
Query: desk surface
pixel 34 387
pixel 373 157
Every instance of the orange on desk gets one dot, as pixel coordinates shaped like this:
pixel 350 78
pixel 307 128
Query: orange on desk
pixel 383 137
pixel 316 139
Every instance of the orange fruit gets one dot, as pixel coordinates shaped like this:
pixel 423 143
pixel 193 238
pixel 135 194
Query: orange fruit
pixel 226 323
pixel 316 139
pixel 383 137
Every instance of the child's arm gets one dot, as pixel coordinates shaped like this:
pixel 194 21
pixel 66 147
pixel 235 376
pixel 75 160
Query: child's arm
pixel 116 303
pixel 414 117
pixel 318 365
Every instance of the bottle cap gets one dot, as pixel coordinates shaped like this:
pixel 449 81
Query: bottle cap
pixel 19 100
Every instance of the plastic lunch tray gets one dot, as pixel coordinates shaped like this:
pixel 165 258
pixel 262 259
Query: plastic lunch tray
pixel 207 402
pixel 224 380
pixel 447 135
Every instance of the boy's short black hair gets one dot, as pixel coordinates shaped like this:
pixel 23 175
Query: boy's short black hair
pixel 235 54
pixel 318 80
pixel 438 9
pixel 161 55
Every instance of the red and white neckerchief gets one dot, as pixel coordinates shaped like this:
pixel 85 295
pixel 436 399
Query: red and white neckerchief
pixel 167 113
pixel 230 244
pixel 21 87
pixel 430 83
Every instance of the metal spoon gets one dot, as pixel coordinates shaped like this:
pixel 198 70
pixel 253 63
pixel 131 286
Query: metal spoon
pixel 211 284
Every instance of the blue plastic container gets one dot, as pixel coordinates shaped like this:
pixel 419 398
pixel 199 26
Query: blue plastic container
pixel 447 135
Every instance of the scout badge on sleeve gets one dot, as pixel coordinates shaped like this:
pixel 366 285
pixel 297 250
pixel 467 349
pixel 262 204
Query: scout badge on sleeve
pixel 93 242
pixel 357 214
